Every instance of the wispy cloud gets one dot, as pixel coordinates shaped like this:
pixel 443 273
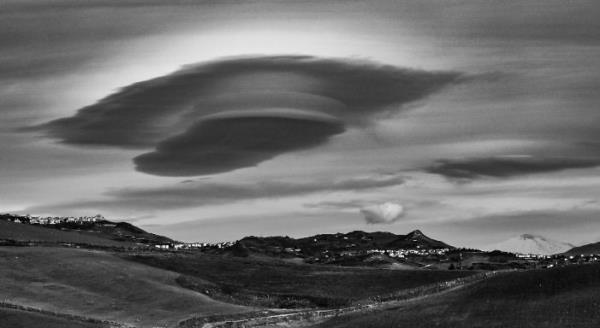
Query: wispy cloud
pixel 506 166
pixel 199 193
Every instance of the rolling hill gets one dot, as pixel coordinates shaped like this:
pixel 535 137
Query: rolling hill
pixel 23 319
pixel 101 233
pixel 588 249
pixel 273 282
pixel 20 232
pixel 352 241
pixel 99 285
pixel 552 298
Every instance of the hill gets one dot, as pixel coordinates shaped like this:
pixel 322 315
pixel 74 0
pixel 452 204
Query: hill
pixel 274 283
pixel 119 231
pixel 352 243
pixel 98 233
pixel 588 249
pixel 99 285
pixel 531 244
pixel 22 319
pixel 19 232
pixel 553 298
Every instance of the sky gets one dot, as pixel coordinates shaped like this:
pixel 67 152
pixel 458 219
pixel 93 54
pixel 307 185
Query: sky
pixel 473 121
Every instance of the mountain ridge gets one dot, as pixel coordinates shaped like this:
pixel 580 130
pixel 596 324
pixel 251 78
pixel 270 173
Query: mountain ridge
pixel 528 243
pixel 587 249
pixel 354 241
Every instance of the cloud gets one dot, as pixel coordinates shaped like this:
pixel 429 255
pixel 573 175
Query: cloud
pixel 339 205
pixel 199 193
pixel 242 111
pixel 508 166
pixel 225 144
pixel 382 213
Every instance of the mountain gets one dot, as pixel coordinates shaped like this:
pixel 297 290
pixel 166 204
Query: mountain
pixel 355 241
pixel 593 248
pixel 416 240
pixel 531 244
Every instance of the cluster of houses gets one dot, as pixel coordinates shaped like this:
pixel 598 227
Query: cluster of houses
pixel 532 256
pixel 51 220
pixel 194 246
pixel 402 253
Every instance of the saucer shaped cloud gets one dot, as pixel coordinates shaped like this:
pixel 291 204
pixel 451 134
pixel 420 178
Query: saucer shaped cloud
pixel 387 212
pixel 232 113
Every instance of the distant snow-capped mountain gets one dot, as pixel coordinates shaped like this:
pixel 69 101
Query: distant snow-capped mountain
pixel 531 244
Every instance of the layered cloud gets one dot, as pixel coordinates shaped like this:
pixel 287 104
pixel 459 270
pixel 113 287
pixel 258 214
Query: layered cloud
pixel 226 143
pixel 502 167
pixel 199 193
pixel 387 212
pixel 232 113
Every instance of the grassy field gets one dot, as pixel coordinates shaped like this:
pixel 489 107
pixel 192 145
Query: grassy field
pixel 26 232
pixel 99 285
pixel 552 298
pixel 274 283
pixel 21 319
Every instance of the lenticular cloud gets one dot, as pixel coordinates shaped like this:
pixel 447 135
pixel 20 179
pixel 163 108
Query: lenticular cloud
pixel 238 112
pixel 382 213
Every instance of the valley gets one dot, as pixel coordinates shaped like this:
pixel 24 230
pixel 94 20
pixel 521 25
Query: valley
pixel 109 274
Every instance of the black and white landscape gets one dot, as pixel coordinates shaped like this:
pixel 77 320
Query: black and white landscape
pixel 273 163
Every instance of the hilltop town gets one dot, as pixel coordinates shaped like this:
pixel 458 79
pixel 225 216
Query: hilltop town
pixel 50 220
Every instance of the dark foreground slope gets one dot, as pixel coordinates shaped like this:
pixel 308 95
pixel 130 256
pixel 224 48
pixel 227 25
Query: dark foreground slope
pixel 553 298
pixel 23 319
pixel 98 285
pixel 274 283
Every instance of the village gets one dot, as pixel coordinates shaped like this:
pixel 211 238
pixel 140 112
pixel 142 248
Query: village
pixel 50 220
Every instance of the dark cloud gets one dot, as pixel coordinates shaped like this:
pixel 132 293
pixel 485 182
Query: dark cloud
pixel 182 113
pixel 225 144
pixel 503 167
pixel 199 193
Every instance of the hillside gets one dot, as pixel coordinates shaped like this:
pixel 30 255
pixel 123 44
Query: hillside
pixel 119 231
pixel 552 298
pixel 99 233
pixel 588 249
pixel 531 244
pixel 23 319
pixel 356 241
pixel 20 232
pixel 99 285
pixel 276 283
